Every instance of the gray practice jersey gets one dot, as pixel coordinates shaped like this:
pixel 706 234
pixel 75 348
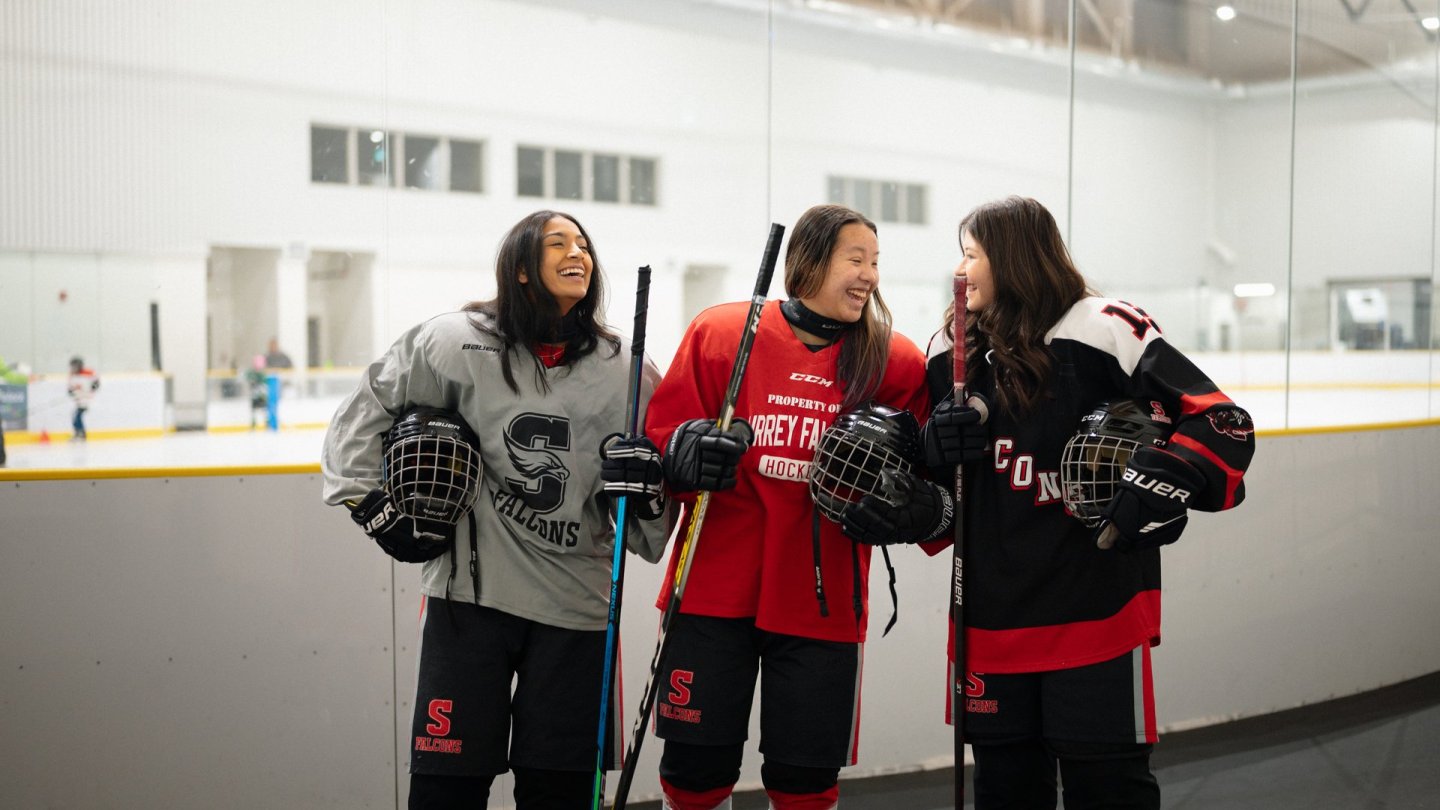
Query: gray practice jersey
pixel 545 529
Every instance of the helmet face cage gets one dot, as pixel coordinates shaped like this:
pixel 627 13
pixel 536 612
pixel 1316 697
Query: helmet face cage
pixel 854 451
pixel 431 465
pixel 1094 459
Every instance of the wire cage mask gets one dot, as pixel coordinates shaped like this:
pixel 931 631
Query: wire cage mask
pixel 431 465
pixel 854 451
pixel 1093 461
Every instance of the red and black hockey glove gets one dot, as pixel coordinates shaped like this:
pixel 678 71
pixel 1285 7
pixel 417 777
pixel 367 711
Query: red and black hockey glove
pixel 630 467
pixel 405 539
pixel 1150 506
pixel 700 455
pixel 908 509
pixel 955 434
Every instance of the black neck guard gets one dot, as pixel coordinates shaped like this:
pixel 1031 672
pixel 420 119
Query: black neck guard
pixel 803 318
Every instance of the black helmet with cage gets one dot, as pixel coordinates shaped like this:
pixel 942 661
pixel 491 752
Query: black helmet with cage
pixel 1094 459
pixel 855 449
pixel 431 465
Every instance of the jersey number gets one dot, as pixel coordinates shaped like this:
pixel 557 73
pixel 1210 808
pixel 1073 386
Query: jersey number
pixel 1140 323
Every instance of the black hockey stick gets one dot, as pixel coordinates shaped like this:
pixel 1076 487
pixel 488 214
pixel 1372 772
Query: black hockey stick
pixel 957 605
pixel 617 564
pixel 697 519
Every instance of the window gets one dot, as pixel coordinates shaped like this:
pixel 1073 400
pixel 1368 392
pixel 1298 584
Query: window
pixel 422 162
pixel 375 157
pixel 606 172
pixel 530 172
pixel 881 200
pixel 329 155
pixel 571 174
pixel 467 172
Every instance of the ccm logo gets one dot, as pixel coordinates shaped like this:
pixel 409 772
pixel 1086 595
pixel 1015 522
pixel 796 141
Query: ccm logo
pixel 811 378
pixel 381 519
pixel 1160 488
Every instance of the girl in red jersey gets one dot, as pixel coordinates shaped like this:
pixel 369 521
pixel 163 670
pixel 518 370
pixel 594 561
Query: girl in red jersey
pixel 1060 621
pixel 752 603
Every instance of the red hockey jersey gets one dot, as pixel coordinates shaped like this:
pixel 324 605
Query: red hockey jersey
pixel 754 556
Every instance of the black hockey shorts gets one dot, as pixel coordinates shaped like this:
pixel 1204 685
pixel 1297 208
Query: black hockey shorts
pixel 1101 708
pixel 464 709
pixel 809 691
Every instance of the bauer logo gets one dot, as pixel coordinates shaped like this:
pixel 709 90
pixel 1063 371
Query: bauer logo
pixel 1161 488
pixel 811 378
pixel 386 515
pixel 477 347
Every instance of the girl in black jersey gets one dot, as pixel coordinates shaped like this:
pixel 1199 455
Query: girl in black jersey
pixel 1059 627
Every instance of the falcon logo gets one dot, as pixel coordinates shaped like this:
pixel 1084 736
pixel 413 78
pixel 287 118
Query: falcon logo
pixel 531 441
pixel 1232 422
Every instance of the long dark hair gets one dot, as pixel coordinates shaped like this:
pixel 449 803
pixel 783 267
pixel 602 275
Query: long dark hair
pixel 527 314
pixel 1035 283
pixel 865 349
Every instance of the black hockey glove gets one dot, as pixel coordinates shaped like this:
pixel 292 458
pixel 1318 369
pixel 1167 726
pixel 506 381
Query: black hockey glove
pixel 405 539
pixel 908 510
pixel 956 434
pixel 630 467
pixel 701 456
pixel 1150 503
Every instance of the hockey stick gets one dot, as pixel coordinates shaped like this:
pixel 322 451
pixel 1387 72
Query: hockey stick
pixel 702 501
pixel 957 606
pixel 617 564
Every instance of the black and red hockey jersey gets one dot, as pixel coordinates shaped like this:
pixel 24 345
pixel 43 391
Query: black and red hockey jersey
pixel 1039 595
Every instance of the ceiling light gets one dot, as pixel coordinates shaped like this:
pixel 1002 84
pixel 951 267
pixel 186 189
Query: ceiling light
pixel 1431 23
pixel 1254 290
pixel 1226 13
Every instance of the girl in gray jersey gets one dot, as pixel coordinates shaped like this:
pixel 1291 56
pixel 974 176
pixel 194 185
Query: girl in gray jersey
pixel 524 578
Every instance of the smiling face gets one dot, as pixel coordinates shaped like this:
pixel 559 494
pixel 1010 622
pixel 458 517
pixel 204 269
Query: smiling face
pixel 851 275
pixel 565 263
pixel 975 266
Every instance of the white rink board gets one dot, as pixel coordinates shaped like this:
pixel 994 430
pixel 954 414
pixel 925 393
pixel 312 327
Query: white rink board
pixel 230 637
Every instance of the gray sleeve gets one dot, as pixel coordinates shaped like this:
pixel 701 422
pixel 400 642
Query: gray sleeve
pixel 647 538
pixel 350 457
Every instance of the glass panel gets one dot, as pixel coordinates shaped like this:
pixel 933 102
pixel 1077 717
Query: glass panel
pixel 606 178
pixel 1363 268
pixel 329 155
pixel 467 168
pixel 915 204
pixel 889 202
pixel 422 162
pixel 569 175
pixel 835 190
pixel 375 166
pixel 529 172
pixel 642 181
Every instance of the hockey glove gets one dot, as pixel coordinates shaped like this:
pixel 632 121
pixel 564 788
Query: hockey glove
pixel 956 434
pixel 631 467
pixel 405 539
pixel 908 510
pixel 700 455
pixel 1150 503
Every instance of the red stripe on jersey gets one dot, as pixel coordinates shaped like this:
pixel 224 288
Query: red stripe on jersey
pixel 1232 475
pixel 1191 404
pixel 1064 646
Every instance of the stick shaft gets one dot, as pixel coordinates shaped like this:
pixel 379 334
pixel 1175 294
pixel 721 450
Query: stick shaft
pixel 697 519
pixel 957 605
pixel 617 563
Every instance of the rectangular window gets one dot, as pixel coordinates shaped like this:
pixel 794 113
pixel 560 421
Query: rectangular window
pixel 835 190
pixel 329 155
pixel 569 175
pixel 915 204
pixel 606 178
pixel 467 168
pixel 422 162
pixel 889 202
pixel 642 181
pixel 529 172
pixel 374 167
pixel 863 194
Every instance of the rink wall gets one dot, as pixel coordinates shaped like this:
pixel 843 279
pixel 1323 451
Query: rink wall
pixel 226 636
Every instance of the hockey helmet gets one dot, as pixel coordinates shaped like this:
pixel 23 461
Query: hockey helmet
pixel 431 465
pixel 855 449
pixel 1094 459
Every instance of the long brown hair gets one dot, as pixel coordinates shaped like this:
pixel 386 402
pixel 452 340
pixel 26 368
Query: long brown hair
pixel 1035 283
pixel 527 314
pixel 865 349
